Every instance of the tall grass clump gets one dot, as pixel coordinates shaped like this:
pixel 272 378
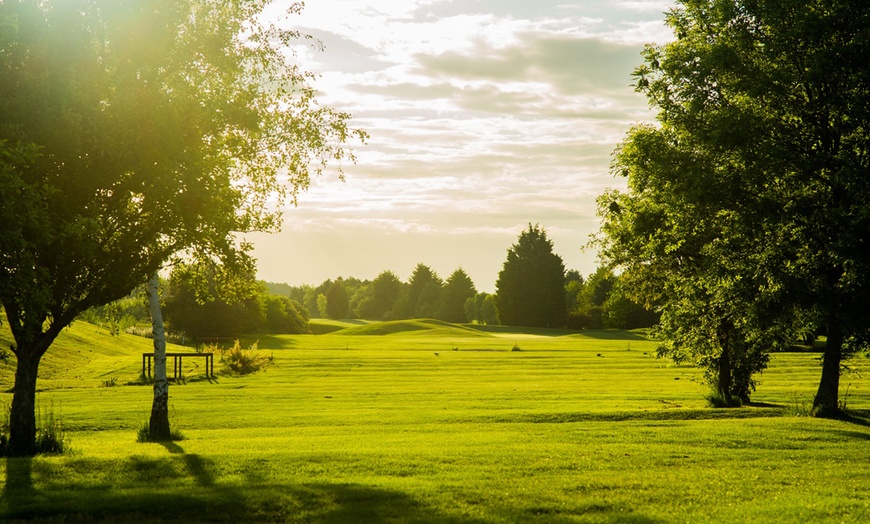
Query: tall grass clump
pixel 51 438
pixel 238 361
pixel 717 400
pixel 145 435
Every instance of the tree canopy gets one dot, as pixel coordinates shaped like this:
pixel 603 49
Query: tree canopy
pixel 423 294
pixel 530 290
pixel 747 206
pixel 458 289
pixel 131 132
pixel 204 300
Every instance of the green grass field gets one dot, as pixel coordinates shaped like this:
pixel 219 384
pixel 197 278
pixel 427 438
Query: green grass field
pixel 428 422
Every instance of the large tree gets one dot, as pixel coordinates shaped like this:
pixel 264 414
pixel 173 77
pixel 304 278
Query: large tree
pixel 131 132
pixel 530 290
pixel 458 289
pixel 380 297
pixel 747 206
pixel 336 300
pixel 423 294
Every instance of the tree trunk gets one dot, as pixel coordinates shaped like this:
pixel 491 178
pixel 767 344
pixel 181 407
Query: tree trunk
pixel 826 402
pixel 159 423
pixel 725 380
pixel 22 416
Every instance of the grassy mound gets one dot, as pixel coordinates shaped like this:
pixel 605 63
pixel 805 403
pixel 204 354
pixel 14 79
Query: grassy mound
pixel 323 326
pixel 426 327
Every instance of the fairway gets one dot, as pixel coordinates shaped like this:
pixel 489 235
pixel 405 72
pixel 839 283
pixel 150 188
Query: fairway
pixel 423 421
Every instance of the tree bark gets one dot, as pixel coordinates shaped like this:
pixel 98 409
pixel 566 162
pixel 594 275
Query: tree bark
pixel 22 416
pixel 725 383
pixel 826 402
pixel 159 423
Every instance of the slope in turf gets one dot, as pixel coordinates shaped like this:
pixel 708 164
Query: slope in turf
pixel 323 326
pixel 426 326
pixel 83 353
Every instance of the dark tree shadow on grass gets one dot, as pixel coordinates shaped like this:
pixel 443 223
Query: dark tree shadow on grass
pixel 154 490
pixel 852 416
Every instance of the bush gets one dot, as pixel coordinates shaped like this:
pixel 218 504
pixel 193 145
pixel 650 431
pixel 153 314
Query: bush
pixel 240 361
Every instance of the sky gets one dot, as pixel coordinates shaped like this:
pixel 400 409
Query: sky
pixel 485 116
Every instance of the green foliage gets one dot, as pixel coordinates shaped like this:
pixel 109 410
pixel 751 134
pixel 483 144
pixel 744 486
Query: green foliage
pixel 423 295
pixel 144 434
pixel 481 309
pixel 206 300
pixel 746 209
pixel 717 400
pixel 131 132
pixel 337 306
pixel 458 289
pixel 321 306
pixel 381 297
pixel 283 315
pixel 122 315
pixel 51 437
pixel 238 361
pixel 590 296
pixel 530 290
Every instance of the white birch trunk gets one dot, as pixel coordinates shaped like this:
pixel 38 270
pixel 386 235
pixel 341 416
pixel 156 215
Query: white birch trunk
pixel 159 425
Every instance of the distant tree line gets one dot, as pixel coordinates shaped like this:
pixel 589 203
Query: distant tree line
pixel 533 289
pixel 424 295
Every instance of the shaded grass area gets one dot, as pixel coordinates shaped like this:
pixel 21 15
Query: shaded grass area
pixel 438 424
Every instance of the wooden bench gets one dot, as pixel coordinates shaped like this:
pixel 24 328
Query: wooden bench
pixel 176 363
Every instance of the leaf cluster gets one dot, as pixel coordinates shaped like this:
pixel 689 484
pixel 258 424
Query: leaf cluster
pixel 134 131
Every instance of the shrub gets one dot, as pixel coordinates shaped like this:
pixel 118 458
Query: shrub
pixel 238 361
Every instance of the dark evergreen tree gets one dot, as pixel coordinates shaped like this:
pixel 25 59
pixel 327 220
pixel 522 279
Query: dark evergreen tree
pixel 457 290
pixel 424 293
pixel 530 290
pixel 381 297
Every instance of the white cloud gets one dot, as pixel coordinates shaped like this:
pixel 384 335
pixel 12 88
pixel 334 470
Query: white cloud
pixel 484 116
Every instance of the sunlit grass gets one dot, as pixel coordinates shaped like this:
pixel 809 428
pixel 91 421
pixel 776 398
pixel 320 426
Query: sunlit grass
pixel 425 422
